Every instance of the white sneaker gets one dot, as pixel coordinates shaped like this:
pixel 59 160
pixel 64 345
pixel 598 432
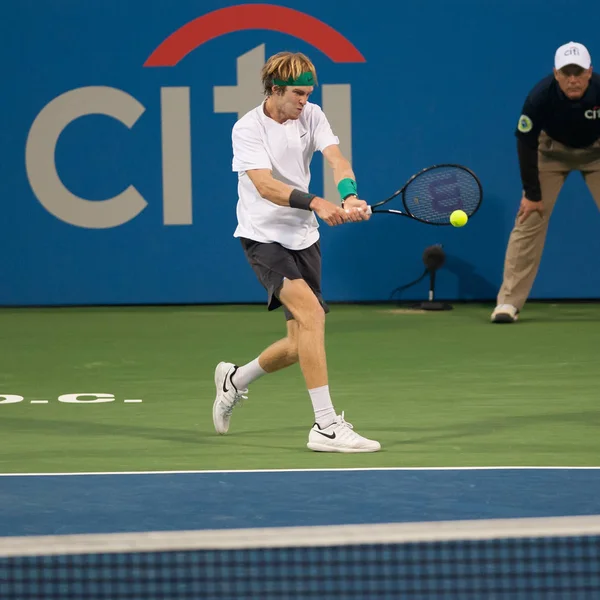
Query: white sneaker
pixel 505 313
pixel 339 437
pixel 228 396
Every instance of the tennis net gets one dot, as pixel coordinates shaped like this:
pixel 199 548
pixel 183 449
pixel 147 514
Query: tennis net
pixel 547 558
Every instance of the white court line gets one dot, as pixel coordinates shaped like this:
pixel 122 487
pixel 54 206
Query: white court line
pixel 349 469
pixel 311 536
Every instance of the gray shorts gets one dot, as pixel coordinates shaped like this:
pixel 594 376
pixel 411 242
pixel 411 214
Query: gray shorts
pixel 272 263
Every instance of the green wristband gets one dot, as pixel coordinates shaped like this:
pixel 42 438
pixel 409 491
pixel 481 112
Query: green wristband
pixel 347 187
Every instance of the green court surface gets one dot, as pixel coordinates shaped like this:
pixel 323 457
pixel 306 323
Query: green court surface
pixel 436 389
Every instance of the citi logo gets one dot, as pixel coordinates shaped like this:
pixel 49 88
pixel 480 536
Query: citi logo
pixel 174 124
pixel 593 113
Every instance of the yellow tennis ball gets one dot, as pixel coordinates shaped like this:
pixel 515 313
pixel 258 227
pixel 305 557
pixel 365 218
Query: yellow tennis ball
pixel 459 218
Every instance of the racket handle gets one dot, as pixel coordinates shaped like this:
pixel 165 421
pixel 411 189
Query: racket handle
pixel 369 211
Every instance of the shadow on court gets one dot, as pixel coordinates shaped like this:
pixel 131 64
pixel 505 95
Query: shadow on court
pixel 490 426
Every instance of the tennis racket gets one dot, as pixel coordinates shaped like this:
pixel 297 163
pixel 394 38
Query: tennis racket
pixel 433 194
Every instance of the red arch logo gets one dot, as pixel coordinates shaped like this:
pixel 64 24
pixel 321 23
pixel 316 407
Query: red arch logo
pixel 253 16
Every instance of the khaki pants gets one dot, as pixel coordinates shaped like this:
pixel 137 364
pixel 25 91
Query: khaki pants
pixel 526 241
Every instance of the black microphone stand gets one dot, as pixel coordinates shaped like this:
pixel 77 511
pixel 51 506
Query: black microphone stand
pixel 433 258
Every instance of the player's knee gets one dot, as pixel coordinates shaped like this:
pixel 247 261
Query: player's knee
pixel 303 304
pixel 311 315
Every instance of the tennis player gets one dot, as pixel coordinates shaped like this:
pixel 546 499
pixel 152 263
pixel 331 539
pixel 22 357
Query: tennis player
pixel 558 132
pixel 273 145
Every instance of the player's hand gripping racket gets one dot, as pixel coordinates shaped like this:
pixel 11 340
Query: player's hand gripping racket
pixel 433 194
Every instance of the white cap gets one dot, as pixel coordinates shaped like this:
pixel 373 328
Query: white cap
pixel 572 54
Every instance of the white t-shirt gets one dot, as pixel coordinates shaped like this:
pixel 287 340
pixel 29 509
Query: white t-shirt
pixel 286 149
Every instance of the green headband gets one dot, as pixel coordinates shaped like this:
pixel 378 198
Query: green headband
pixel 304 79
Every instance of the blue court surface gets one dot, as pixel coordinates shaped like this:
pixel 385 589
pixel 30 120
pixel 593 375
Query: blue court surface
pixel 136 502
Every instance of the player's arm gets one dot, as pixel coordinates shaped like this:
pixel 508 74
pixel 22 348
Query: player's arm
pixel 339 164
pixel 270 188
pixel 251 159
pixel 345 180
pixel 283 194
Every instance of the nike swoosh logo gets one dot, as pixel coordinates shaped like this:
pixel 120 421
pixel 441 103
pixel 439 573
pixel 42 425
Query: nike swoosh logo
pixel 327 435
pixel 225 389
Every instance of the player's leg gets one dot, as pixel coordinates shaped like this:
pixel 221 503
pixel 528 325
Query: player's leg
pixel 279 355
pixel 309 315
pixel 283 353
pixel 308 263
pixel 303 299
pixel 272 264
pixel 526 245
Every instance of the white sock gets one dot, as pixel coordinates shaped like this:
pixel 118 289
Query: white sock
pixel 245 375
pixel 322 405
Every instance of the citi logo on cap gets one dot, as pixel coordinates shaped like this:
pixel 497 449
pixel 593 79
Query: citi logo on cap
pixel 572 53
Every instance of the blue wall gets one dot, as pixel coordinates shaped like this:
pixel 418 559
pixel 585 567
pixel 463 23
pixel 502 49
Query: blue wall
pixel 442 82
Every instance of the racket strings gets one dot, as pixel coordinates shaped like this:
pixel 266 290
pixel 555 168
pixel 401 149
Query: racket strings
pixel 435 194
